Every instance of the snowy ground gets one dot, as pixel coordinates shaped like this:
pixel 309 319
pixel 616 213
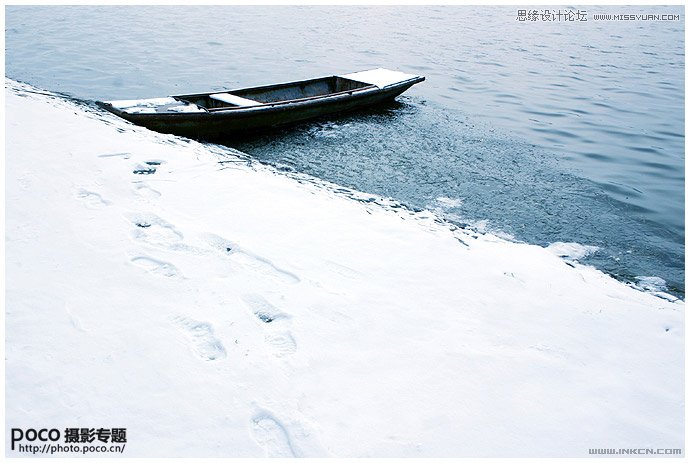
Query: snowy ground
pixel 215 308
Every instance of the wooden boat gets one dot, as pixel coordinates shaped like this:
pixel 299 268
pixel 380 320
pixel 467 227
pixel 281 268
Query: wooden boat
pixel 220 115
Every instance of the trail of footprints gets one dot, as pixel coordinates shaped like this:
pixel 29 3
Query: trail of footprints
pixel 154 231
pixel 274 322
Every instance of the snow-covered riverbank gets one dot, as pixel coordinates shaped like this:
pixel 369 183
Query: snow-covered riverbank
pixel 218 309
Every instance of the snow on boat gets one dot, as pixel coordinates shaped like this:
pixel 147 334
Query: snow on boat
pixel 219 115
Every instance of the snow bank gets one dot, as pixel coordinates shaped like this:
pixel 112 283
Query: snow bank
pixel 215 308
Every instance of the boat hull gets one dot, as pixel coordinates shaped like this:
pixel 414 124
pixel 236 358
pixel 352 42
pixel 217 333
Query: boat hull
pixel 220 125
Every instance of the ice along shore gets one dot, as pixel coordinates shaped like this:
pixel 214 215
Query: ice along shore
pixel 219 308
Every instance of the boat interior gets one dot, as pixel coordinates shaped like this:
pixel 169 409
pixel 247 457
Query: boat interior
pixel 274 93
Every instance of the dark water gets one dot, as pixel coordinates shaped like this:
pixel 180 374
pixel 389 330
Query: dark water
pixel 544 131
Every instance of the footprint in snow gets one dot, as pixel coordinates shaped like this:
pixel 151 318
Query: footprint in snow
pixel 144 169
pixel 203 341
pixel 282 343
pixel 264 310
pixel 92 199
pixel 273 319
pixel 271 435
pixel 145 191
pixel 155 231
pixel 250 260
pixel 156 267
pixel 147 168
